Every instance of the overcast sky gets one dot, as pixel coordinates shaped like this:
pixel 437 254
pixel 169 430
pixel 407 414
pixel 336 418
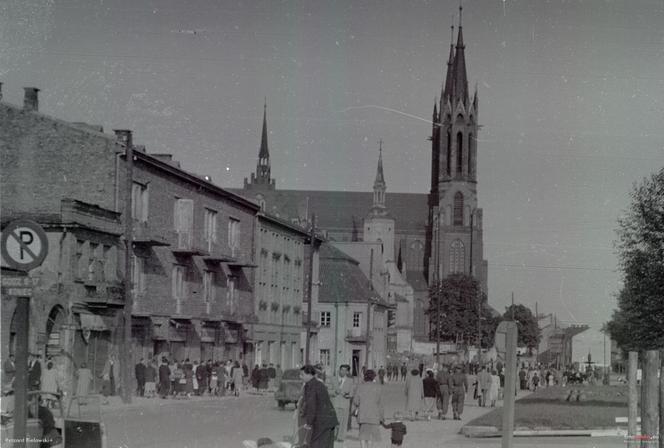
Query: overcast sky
pixel 571 99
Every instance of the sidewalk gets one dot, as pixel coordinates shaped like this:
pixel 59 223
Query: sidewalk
pixel 423 433
pixel 115 402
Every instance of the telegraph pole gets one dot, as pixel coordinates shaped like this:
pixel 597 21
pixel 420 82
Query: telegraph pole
pixel 310 280
pixel 125 136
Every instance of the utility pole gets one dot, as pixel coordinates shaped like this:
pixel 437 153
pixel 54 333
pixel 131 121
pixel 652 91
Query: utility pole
pixel 537 346
pixel 125 136
pixel 366 355
pixel 512 305
pixel 436 282
pixel 312 242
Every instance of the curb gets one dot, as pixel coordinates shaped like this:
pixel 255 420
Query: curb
pixel 492 431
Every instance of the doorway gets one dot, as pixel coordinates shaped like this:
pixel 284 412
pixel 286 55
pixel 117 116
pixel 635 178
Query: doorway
pixel 356 363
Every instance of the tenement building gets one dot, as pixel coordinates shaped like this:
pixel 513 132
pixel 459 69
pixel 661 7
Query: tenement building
pixel 199 252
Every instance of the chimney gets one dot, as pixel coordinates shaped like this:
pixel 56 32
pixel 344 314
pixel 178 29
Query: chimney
pixel 31 99
pixel 123 136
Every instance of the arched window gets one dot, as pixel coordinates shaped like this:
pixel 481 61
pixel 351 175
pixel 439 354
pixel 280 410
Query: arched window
pixel 449 153
pixel 457 257
pixel 458 209
pixel 459 154
pixel 471 145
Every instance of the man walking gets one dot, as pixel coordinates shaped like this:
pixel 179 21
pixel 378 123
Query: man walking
pixel 404 371
pixel 484 379
pixel 164 378
pixel 459 383
pixel 317 410
pixel 343 391
pixel 444 379
pixel 139 373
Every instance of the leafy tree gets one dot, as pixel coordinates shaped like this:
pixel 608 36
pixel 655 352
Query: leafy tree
pixel 529 332
pixel 637 322
pixel 459 296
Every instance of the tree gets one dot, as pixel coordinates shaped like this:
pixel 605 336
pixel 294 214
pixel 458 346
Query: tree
pixel 529 332
pixel 459 296
pixel 637 322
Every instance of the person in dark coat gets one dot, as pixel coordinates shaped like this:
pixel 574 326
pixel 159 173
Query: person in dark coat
pixel 272 375
pixel 34 373
pixel 459 384
pixel 164 378
pixel 202 378
pixel 381 375
pixel 404 371
pixel 431 393
pixel 264 377
pixel 255 377
pixel 139 372
pixel 317 411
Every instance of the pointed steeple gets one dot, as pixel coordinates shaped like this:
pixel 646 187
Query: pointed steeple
pixel 379 186
pixel 399 260
pixel 264 152
pixel 262 179
pixel 435 112
pixel 449 77
pixel 460 86
pixel 380 178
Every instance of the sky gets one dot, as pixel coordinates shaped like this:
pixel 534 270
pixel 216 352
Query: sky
pixel 571 100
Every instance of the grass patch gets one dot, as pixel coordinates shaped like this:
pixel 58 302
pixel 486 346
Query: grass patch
pixel 547 408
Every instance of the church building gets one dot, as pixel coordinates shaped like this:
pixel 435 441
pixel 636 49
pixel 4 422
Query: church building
pixel 430 235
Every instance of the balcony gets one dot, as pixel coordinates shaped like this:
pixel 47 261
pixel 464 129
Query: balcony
pixel 103 293
pixel 143 235
pixel 356 335
pixel 186 247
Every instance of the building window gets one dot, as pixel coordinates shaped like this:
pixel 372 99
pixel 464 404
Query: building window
pixel 178 282
pixel 457 257
pixel 233 234
pixel 357 319
pixel 208 291
pixel 138 274
pixel 325 318
pixel 459 154
pixel 231 300
pixel 139 202
pixel 81 261
pixel 184 222
pixel 210 227
pixel 449 153
pixel 95 263
pixel 325 357
pixel 470 153
pixel 458 209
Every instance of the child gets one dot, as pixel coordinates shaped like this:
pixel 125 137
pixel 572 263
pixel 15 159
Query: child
pixel 398 431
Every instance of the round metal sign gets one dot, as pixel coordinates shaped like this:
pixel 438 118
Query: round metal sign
pixel 23 245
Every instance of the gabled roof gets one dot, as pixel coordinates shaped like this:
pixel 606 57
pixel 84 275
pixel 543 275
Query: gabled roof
pixel 336 209
pixel 341 278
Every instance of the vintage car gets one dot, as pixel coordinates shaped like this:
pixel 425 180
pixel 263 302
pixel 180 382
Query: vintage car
pixel 289 388
pixel 80 427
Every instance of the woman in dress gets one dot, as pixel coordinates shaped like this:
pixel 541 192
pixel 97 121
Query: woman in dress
pixel 369 407
pixel 414 394
pixel 50 383
pixel 84 378
pixel 493 389
pixel 237 378
pixel 255 378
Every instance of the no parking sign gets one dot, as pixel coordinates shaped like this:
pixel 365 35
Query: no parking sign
pixel 23 244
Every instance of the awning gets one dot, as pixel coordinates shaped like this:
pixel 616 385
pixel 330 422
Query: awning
pixel 95 322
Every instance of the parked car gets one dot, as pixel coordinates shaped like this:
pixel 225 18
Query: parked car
pixel 289 388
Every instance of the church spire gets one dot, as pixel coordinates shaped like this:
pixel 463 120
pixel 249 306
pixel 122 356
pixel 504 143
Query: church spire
pixel 379 186
pixel 460 80
pixel 449 77
pixel 262 177
pixel 264 152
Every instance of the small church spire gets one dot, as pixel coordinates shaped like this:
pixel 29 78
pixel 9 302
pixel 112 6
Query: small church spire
pixel 449 76
pixel 379 186
pixel 262 176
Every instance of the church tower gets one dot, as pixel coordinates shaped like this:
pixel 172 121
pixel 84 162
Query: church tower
pixel 379 225
pixel 455 236
pixel 261 180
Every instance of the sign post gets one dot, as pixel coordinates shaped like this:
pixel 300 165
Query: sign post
pixel 506 339
pixel 23 246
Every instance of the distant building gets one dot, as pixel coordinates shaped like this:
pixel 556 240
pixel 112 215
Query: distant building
pixel 555 347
